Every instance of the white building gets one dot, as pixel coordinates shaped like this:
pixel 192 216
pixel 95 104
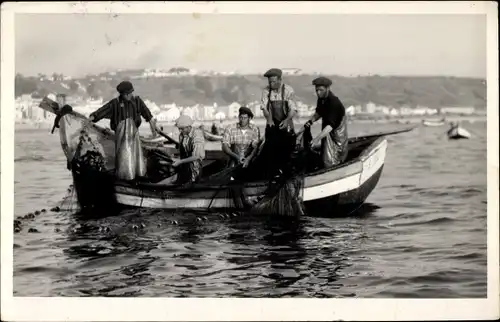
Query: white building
pixel 458 110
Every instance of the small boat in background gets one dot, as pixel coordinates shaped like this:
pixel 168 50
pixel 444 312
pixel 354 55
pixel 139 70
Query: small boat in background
pixel 433 123
pixel 456 132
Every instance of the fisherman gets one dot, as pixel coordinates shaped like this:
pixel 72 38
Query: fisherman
pixel 192 151
pixel 125 113
pixel 241 140
pixel 279 108
pixel 333 136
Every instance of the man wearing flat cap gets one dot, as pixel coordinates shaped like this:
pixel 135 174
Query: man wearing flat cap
pixel 279 108
pixel 241 140
pixel 333 136
pixel 124 113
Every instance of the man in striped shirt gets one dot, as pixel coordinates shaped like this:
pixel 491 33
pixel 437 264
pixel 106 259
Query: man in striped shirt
pixel 126 105
pixel 125 114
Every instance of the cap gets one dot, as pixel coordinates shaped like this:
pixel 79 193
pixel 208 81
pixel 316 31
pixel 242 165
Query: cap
pixel 125 87
pixel 183 121
pixel 245 110
pixel 273 72
pixel 322 81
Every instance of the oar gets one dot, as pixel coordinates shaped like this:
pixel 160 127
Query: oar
pixel 166 136
pixel 372 135
pixel 369 136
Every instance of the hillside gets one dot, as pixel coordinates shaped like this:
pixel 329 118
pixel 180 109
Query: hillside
pixel 189 90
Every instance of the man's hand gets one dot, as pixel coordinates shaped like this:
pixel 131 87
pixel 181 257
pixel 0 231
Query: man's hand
pixel 269 122
pixel 283 125
pixel 91 118
pixel 308 124
pixel 152 125
pixel 177 162
pixel 246 163
pixel 315 141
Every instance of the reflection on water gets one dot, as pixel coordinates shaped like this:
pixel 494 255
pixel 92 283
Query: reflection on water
pixel 392 246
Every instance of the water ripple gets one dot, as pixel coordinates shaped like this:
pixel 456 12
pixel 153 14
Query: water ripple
pixel 422 233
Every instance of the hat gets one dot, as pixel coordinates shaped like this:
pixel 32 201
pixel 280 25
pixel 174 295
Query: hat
pixel 322 81
pixel 183 121
pixel 273 72
pixel 125 87
pixel 246 110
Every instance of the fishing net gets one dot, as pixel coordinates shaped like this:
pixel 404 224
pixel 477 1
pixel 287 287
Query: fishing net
pixel 273 184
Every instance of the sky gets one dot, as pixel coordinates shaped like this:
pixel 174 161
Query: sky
pixel 341 44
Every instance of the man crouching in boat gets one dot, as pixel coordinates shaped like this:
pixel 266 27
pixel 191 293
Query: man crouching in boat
pixel 241 140
pixel 191 149
pixel 125 114
pixel 333 136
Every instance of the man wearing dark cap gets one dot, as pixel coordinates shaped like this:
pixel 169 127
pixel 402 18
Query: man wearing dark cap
pixel 333 136
pixel 278 101
pixel 241 140
pixel 279 108
pixel 125 113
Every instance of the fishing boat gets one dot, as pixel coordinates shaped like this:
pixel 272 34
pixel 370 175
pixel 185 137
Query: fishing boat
pixel 457 133
pixel 334 191
pixel 339 190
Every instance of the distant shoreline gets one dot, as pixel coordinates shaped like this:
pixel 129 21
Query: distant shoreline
pixel 261 122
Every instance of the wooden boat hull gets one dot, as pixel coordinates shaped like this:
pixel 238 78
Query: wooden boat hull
pixel 330 192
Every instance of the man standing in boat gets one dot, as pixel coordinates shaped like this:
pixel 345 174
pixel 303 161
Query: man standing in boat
pixel 279 108
pixel 333 136
pixel 192 151
pixel 241 140
pixel 125 113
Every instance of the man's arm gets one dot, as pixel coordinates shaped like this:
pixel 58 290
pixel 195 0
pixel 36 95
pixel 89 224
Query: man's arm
pixel 199 148
pixel 102 112
pixel 292 107
pixel 147 115
pixel 226 141
pixel 290 97
pixel 313 119
pixel 264 102
pixel 255 147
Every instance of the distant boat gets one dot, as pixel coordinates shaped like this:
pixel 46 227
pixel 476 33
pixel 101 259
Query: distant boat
pixel 457 132
pixel 433 123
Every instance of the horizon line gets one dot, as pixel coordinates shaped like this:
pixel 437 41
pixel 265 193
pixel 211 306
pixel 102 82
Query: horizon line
pixel 261 74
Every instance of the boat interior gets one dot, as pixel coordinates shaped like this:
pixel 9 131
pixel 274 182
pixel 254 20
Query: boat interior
pixel 216 164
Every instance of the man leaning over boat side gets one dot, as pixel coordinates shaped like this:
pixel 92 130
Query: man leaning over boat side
pixel 333 136
pixel 279 108
pixel 124 113
pixel 191 149
pixel 241 139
